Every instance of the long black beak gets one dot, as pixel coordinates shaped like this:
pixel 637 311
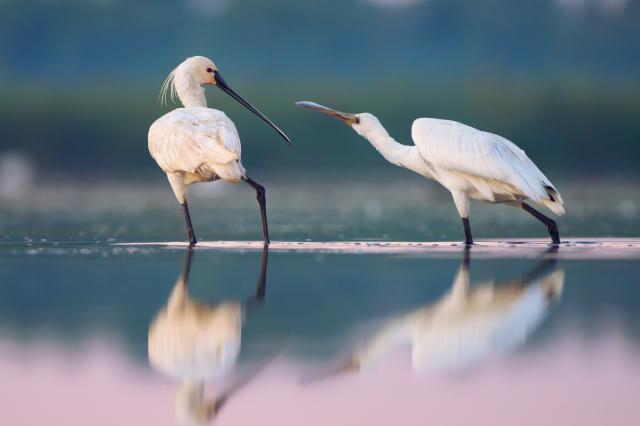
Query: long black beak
pixel 222 85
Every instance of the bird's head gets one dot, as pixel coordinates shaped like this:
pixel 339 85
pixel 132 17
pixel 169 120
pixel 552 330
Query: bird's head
pixel 186 80
pixel 199 68
pixel 363 123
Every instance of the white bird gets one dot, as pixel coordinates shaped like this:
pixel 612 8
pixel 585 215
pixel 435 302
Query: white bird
pixel 199 144
pixel 470 163
pixel 195 342
pixel 466 326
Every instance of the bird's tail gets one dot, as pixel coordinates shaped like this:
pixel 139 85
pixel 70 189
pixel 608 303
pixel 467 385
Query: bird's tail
pixel 553 201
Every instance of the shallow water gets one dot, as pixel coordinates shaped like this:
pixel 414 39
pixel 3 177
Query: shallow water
pixel 110 334
pixel 361 312
pixel 299 209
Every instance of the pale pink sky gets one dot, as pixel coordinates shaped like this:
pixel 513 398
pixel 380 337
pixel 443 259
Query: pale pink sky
pixel 568 382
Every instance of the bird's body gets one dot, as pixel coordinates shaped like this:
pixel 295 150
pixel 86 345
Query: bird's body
pixel 480 165
pixel 196 144
pixel 199 144
pixel 470 163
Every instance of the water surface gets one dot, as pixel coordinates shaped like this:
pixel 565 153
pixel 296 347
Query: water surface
pixel 108 334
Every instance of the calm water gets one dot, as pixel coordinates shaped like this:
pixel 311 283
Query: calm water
pixel 92 332
pixel 327 208
pixel 99 334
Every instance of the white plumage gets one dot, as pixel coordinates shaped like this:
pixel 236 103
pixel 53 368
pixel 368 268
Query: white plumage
pixel 470 163
pixel 199 144
pixel 196 145
pixel 482 165
pixel 466 326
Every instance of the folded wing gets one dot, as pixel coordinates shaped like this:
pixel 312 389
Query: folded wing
pixel 455 147
pixel 185 139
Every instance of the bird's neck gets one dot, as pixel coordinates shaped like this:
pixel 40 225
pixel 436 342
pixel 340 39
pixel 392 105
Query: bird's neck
pixel 190 93
pixel 405 156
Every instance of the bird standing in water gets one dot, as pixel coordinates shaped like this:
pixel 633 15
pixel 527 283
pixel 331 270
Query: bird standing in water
pixel 199 144
pixel 470 163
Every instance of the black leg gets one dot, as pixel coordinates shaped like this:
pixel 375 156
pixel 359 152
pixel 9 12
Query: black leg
pixel 187 219
pixel 262 201
pixel 552 227
pixel 468 239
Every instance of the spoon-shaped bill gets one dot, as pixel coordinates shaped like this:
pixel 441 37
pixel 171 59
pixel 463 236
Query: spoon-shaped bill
pixel 345 117
pixel 222 85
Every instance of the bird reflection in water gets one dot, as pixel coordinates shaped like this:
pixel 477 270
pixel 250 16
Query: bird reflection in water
pixel 466 325
pixel 194 342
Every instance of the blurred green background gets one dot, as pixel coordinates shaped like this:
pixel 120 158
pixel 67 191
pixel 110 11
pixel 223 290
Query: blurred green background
pixel 560 77
pixel 80 82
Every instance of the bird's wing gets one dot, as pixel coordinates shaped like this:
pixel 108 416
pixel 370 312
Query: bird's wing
pixel 459 148
pixel 184 139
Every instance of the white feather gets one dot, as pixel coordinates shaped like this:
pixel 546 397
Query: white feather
pixel 194 144
pixel 185 139
pixel 468 162
pixel 493 165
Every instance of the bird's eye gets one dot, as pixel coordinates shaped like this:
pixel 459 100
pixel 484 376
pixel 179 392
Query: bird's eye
pixel 209 69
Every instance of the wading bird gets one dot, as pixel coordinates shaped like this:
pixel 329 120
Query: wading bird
pixel 199 144
pixel 196 342
pixel 470 163
pixel 466 325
